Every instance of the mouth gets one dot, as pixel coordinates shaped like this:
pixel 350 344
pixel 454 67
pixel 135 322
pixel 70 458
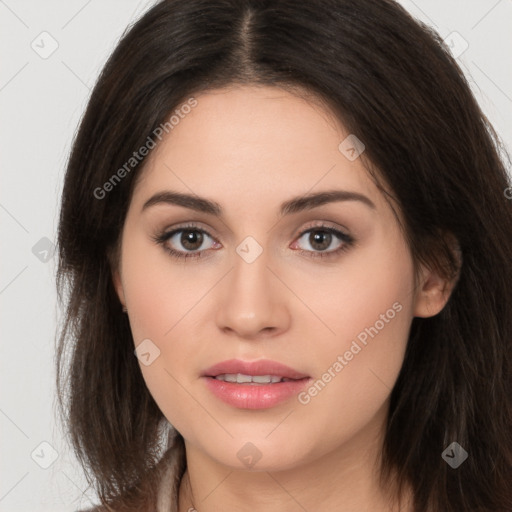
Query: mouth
pixel 256 380
pixel 236 370
pixel 254 385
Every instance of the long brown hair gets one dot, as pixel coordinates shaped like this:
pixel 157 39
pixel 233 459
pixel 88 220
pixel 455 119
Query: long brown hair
pixel 391 82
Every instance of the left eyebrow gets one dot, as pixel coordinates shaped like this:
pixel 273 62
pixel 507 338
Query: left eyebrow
pixel 294 205
pixel 307 202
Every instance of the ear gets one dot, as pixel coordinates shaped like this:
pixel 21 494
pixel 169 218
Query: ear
pixel 118 285
pixel 115 266
pixel 434 289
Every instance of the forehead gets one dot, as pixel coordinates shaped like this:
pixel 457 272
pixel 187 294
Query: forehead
pixel 259 144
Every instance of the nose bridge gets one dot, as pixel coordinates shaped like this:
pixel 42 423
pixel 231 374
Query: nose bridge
pixel 249 281
pixel 252 300
pixel 250 263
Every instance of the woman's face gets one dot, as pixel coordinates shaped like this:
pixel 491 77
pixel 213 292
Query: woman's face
pixel 322 286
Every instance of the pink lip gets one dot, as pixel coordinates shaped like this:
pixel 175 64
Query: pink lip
pixel 261 367
pixel 251 396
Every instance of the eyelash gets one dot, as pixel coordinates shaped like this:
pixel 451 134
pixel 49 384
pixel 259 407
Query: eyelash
pixel 347 240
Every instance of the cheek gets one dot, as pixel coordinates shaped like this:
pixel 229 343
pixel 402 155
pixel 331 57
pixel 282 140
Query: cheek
pixel 370 290
pixel 366 308
pixel 163 307
pixel 358 367
pixel 160 291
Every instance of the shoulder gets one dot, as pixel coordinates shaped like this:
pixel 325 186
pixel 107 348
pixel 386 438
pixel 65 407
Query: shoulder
pixel 103 508
pixel 94 509
pixel 100 508
pixel 166 475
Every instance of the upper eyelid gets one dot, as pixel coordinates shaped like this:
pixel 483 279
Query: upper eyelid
pixel 193 227
pixel 316 225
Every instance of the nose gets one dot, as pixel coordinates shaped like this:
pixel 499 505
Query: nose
pixel 253 301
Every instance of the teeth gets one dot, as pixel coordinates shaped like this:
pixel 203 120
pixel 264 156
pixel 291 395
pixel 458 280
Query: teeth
pixel 265 379
pixel 240 378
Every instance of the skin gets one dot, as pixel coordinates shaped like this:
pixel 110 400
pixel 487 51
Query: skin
pixel 249 149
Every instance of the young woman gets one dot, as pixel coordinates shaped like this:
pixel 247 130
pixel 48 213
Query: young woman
pixel 284 247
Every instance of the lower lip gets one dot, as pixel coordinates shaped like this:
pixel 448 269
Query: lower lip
pixel 257 396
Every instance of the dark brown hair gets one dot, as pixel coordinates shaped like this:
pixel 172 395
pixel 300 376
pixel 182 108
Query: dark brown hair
pixel 392 83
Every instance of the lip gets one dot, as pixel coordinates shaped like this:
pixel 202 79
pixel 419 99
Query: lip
pixel 261 367
pixel 250 396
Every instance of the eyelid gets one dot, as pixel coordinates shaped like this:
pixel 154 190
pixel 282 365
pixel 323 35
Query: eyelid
pixel 341 233
pixel 319 224
pixel 166 235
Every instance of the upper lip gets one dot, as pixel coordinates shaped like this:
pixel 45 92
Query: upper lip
pixel 261 367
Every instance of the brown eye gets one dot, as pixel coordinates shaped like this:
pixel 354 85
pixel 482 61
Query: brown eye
pixel 322 242
pixel 185 242
pixel 191 239
pixel 321 239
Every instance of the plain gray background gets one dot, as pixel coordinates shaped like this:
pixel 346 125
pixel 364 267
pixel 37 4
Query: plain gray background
pixel 42 97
